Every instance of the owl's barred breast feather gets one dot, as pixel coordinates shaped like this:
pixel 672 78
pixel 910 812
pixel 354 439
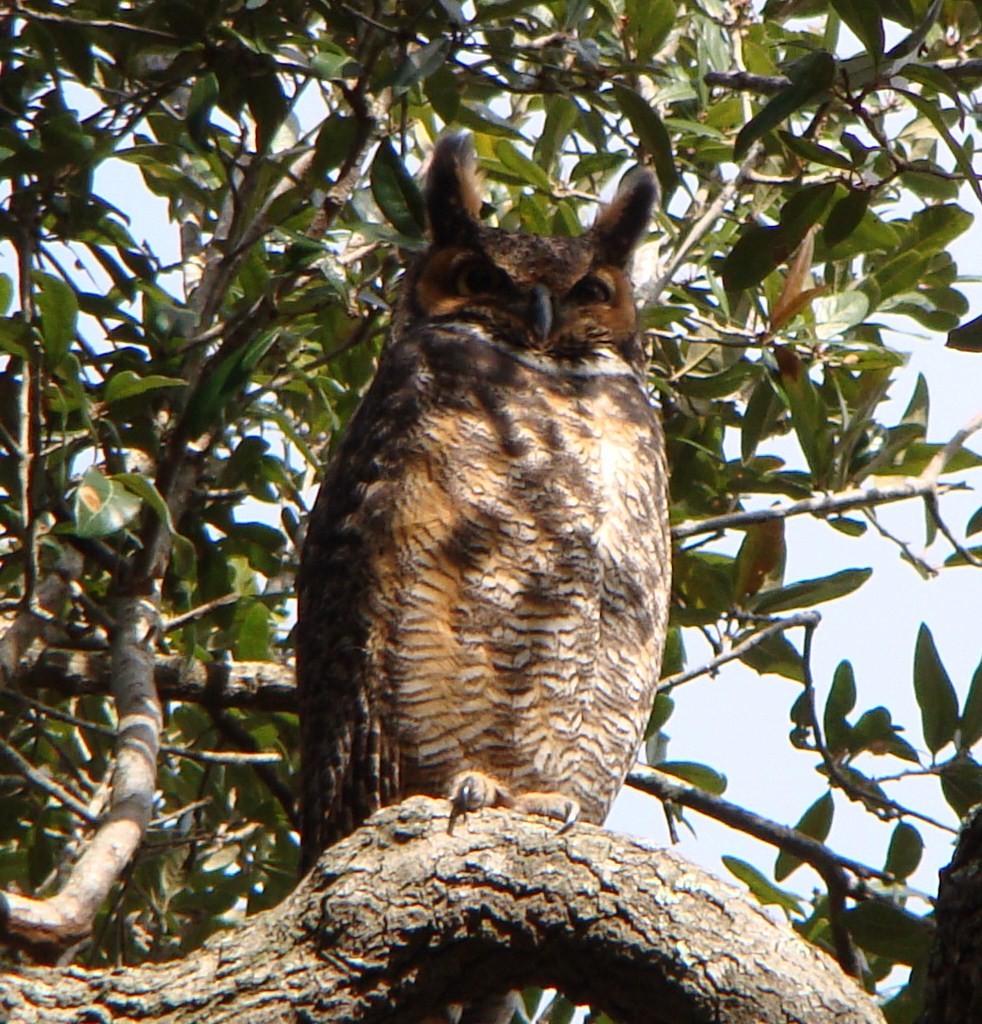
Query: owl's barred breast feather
pixel 484 585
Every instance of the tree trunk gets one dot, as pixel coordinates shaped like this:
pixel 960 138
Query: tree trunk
pixel 954 989
pixel 402 918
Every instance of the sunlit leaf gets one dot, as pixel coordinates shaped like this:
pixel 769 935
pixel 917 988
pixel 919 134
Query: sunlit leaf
pixel 816 823
pixel 766 891
pixel 700 775
pixel 102 506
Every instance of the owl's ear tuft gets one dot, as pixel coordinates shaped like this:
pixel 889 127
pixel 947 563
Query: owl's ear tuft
pixel 624 221
pixel 453 192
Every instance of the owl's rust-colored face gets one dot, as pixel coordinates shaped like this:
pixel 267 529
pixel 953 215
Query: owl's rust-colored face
pixel 566 298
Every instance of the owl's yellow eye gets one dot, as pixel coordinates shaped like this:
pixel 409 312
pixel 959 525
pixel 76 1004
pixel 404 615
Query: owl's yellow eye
pixel 592 289
pixel 478 277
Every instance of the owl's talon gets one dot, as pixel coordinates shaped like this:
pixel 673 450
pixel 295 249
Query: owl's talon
pixel 470 791
pixel 572 816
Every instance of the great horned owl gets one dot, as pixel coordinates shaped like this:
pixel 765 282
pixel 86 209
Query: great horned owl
pixel 483 592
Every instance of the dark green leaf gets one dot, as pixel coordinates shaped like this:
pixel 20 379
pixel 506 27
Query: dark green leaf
pixel 814 152
pixel 653 135
pixel 420 64
pixel 889 931
pixel 807 593
pixel 864 19
pixel 397 195
pixel 816 822
pixel 961 784
pixel 970 725
pixel 775 655
pixel 846 215
pixel 935 695
pixel 127 384
pixel 204 96
pixel 875 732
pixel 814 75
pixel 904 853
pixel 58 306
pixel 967 337
pixel 839 704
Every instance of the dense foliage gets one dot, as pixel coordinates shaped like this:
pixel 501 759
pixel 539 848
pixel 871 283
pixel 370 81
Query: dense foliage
pixel 170 384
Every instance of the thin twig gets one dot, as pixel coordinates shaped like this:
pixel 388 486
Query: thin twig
pixel 809 618
pixel 823 504
pixel 41 781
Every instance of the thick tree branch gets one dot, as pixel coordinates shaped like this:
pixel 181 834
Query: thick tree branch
pixel 69 914
pixel 402 918
pixel 262 685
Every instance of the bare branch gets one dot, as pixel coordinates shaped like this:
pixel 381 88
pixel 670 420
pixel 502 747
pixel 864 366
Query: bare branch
pixel 41 620
pixel 807 619
pixel 68 915
pixel 821 857
pixel 40 780
pixel 264 685
pixel 820 505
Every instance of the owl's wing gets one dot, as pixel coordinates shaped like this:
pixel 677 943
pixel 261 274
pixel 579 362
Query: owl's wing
pixel 348 765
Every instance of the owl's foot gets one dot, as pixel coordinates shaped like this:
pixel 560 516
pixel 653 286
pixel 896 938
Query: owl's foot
pixel 471 791
pixel 550 805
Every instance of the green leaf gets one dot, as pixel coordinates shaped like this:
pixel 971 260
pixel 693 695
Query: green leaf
pixel 225 381
pixel 252 642
pixel 970 724
pixel 700 775
pixel 6 292
pixel 889 931
pixel 961 784
pixel 864 20
pixel 397 195
pixel 838 705
pixel 653 136
pixel 816 822
pixel 775 655
pixel 846 215
pixel 875 732
pixel 420 64
pixel 934 112
pixel 183 557
pixel 763 889
pixel 967 337
pixel 101 506
pixel 813 75
pixel 661 711
pixel 58 305
pixel 814 152
pixel 935 695
pixel 522 166
pixel 974 524
pixel 127 384
pixel 204 96
pixel 807 593
pixel 905 851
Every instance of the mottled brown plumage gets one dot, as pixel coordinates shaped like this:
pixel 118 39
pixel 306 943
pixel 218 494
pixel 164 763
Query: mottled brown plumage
pixel 483 592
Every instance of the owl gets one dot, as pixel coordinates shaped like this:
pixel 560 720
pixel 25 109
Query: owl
pixel 483 589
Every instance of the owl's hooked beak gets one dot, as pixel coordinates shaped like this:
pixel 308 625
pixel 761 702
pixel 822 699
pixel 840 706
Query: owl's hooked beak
pixel 541 311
